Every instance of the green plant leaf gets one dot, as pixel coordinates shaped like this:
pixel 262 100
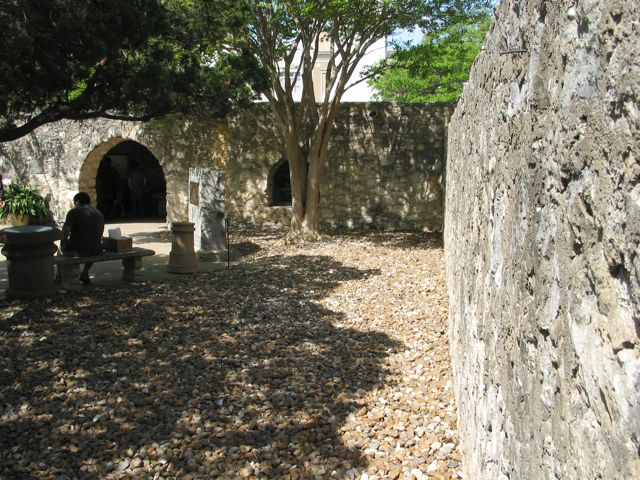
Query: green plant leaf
pixel 21 200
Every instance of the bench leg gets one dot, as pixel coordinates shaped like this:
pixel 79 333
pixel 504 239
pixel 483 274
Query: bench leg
pixel 67 276
pixel 131 269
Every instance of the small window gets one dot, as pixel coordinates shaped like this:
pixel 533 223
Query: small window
pixel 281 185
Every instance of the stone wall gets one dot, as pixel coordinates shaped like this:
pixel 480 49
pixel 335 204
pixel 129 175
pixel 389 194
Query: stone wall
pixel 62 158
pixel 384 167
pixel 388 168
pixel 542 233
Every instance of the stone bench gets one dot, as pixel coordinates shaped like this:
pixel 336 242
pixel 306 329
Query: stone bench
pixel 68 267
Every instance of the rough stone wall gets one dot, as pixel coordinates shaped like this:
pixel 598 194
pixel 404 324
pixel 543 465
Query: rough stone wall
pixel 62 158
pixel 384 167
pixel 542 233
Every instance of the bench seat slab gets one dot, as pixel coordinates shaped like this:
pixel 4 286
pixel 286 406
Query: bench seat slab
pixel 68 268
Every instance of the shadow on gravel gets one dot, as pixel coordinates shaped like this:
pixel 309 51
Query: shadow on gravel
pixel 147 237
pixel 234 373
pixel 406 240
pixel 247 248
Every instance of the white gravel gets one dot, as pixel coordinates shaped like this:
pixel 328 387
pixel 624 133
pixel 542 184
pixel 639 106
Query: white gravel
pixel 327 360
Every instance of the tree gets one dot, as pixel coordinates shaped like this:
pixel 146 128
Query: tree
pixel 120 59
pixel 435 70
pixel 285 36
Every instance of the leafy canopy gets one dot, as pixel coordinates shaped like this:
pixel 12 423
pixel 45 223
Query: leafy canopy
pixel 124 59
pixel 436 69
pixel 284 34
pixel 290 38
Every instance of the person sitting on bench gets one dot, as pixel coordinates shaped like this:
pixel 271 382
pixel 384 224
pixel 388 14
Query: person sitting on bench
pixel 82 232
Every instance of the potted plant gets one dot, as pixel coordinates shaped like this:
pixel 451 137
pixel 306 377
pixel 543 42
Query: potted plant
pixel 21 204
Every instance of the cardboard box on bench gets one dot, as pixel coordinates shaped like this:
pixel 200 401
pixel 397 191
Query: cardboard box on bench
pixel 117 245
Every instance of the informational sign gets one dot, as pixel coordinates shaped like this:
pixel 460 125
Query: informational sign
pixel 206 209
pixel 194 193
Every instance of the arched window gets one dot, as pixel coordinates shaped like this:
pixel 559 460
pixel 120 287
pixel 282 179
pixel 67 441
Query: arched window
pixel 281 185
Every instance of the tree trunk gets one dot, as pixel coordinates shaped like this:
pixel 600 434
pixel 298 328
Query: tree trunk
pixel 306 213
pixel 313 194
pixel 297 176
pixel 304 218
pixel 305 192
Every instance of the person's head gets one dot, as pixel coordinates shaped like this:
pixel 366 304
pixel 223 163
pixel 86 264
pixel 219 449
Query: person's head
pixel 81 198
pixel 107 161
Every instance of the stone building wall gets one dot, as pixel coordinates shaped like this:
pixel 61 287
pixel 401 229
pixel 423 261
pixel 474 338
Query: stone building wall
pixel 542 235
pixel 384 167
pixel 62 158
pixel 389 165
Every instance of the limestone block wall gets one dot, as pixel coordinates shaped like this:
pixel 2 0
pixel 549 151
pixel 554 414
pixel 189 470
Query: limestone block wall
pixel 384 169
pixel 62 158
pixel 542 235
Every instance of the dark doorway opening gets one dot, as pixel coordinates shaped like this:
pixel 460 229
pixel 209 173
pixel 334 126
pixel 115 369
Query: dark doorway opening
pixel 281 192
pixel 139 189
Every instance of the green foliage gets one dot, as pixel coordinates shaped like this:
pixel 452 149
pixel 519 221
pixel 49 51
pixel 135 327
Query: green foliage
pixel 21 200
pixel 285 36
pixel 131 60
pixel 435 70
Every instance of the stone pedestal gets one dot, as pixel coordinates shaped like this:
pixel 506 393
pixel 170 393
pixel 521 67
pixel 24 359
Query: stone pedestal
pixel 182 258
pixel 132 268
pixel 29 251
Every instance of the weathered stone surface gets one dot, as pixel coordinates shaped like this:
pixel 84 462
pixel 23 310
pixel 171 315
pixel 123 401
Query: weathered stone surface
pixel 542 234
pixel 384 167
pixel 207 213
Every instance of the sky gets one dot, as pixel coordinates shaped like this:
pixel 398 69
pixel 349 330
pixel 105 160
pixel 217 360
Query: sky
pixel 415 36
pixel 406 36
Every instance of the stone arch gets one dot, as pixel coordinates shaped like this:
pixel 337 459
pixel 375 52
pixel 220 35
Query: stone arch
pixel 87 179
pixel 279 184
pixel 123 152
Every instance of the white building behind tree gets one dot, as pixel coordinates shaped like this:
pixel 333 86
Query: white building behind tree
pixel 358 89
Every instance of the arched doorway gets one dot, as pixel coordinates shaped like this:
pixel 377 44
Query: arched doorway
pixel 280 184
pixel 114 197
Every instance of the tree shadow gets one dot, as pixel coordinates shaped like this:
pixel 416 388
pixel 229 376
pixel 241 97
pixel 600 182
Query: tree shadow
pixel 160 236
pixel 235 373
pixel 247 248
pixel 394 239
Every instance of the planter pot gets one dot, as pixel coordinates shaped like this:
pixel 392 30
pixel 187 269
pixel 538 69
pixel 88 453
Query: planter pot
pixel 19 220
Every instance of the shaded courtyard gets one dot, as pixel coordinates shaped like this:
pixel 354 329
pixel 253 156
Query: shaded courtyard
pixel 327 360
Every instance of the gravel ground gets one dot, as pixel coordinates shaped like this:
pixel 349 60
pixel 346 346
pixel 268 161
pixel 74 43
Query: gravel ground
pixel 327 360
